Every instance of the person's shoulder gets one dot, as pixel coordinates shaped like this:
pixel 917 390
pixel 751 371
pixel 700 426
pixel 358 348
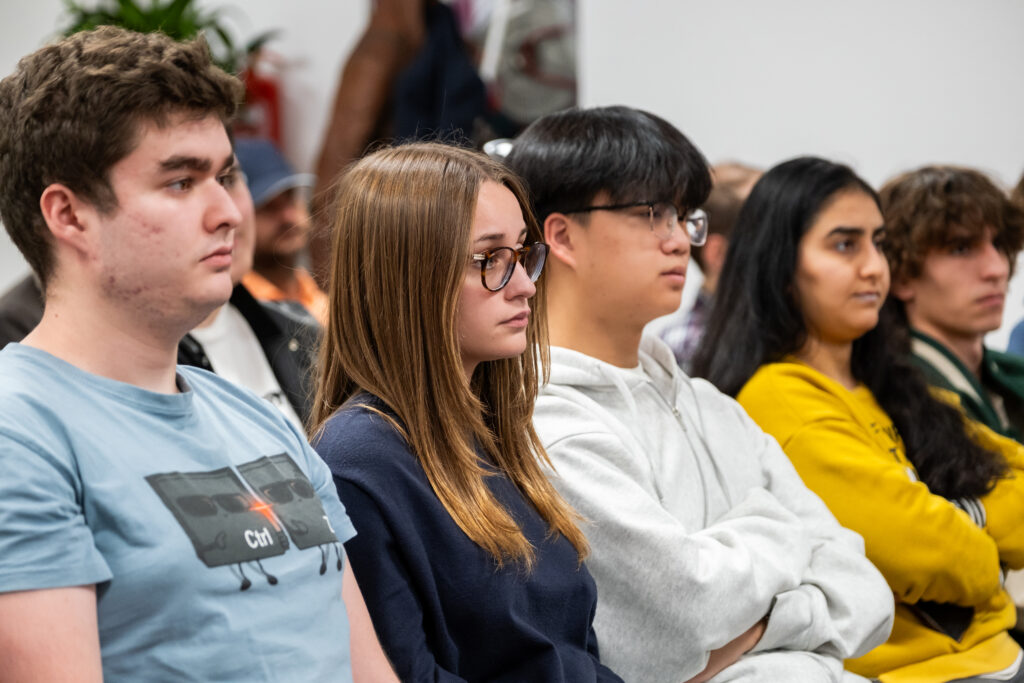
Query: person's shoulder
pixel 790 377
pixel 233 401
pixel 34 400
pixel 27 374
pixel 214 387
pixel 564 410
pixel 792 393
pixel 291 314
pixel 363 435
pixel 1005 362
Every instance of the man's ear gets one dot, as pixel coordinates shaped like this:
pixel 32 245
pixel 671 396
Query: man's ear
pixel 903 289
pixel 66 215
pixel 560 235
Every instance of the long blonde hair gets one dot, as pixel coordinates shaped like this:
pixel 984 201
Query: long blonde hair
pixel 400 248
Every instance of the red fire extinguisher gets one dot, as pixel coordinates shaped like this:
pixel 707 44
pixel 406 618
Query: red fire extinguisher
pixel 261 114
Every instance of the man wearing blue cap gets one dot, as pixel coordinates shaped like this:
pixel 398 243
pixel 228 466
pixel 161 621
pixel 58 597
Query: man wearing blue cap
pixel 282 227
pixel 267 347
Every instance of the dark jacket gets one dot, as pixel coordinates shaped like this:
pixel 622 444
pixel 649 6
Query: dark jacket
pixel 289 336
pixel 21 309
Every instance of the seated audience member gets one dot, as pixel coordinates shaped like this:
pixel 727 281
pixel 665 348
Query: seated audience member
pixel 683 329
pixel 938 499
pixel 469 559
pixel 282 228
pixel 712 559
pixel 722 206
pixel 145 532
pixel 267 347
pixel 21 309
pixel 736 176
pixel 952 238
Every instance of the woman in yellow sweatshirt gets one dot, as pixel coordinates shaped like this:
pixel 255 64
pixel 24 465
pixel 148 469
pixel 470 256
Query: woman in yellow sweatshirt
pixel 796 336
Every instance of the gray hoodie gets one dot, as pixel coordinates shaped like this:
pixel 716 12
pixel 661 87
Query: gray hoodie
pixel 699 526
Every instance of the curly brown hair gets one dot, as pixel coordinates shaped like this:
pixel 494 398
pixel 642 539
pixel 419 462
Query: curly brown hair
pixel 935 206
pixel 73 109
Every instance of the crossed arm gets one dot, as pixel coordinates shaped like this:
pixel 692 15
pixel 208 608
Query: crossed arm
pixel 778 549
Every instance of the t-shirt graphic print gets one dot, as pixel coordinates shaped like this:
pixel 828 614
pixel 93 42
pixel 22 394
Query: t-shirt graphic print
pixel 230 523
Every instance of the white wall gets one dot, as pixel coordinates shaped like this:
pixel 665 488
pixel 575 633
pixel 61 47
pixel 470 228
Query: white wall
pixel 884 86
pixel 24 26
pixel 881 85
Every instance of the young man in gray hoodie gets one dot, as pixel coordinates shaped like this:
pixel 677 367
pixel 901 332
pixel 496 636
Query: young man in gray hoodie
pixel 713 561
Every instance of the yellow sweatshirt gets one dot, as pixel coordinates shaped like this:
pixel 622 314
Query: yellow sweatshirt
pixel 846 449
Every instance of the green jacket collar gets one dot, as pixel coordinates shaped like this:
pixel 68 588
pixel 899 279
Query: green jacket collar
pixel 1003 372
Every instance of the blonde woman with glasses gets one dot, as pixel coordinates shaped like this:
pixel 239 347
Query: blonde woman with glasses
pixel 470 562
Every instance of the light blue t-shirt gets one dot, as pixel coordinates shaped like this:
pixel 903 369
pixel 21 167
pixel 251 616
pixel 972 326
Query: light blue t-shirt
pixel 211 530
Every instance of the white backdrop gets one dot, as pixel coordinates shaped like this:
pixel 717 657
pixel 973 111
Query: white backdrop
pixel 881 85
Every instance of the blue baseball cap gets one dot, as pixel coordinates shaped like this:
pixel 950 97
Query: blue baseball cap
pixel 266 170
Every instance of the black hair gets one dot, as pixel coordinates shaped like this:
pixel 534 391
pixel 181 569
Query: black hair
pixel 566 158
pixel 755 320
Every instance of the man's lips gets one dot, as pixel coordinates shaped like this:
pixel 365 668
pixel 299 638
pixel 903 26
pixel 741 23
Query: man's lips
pixel 221 256
pixel 991 300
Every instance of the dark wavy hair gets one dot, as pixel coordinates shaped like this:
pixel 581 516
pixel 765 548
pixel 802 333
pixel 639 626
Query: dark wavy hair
pixel 935 206
pixel 755 320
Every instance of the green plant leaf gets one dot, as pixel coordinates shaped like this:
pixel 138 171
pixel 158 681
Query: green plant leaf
pixel 132 16
pixel 175 11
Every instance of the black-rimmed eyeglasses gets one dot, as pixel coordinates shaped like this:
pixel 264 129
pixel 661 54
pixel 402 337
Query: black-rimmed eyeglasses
pixel 497 265
pixel 663 217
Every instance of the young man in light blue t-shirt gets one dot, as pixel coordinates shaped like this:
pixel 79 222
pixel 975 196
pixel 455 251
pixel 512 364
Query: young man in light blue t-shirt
pixel 156 522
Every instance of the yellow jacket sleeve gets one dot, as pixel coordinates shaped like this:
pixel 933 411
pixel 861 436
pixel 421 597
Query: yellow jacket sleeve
pixel 926 547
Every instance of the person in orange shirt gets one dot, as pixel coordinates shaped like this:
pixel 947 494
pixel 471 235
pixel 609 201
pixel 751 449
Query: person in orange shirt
pixel 282 227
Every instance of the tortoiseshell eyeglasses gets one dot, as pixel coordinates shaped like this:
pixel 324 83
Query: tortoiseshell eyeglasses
pixel 497 265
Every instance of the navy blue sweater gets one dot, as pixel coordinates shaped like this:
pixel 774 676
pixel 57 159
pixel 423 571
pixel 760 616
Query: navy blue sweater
pixel 442 609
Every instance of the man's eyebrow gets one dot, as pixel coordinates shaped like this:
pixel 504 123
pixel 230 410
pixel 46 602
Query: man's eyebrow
pixel 200 165
pixel 181 162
